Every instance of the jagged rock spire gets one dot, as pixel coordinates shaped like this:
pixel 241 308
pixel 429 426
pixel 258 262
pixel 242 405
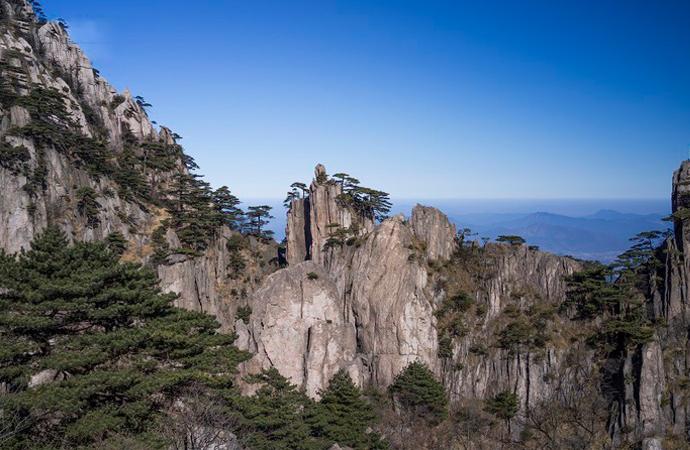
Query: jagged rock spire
pixel 313 219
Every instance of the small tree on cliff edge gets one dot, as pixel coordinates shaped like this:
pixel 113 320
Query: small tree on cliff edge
pixel 259 217
pixel 511 239
pixel 227 206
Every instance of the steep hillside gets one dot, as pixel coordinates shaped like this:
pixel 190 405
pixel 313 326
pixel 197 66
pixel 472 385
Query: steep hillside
pixel 78 154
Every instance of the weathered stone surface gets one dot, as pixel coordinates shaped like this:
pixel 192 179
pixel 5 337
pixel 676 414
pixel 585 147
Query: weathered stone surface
pixel 45 376
pixel 312 220
pixel 433 228
pixel 381 287
pixel 297 232
pixel 298 326
pixel 389 303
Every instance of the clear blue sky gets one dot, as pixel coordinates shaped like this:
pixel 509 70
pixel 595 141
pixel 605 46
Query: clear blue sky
pixel 423 99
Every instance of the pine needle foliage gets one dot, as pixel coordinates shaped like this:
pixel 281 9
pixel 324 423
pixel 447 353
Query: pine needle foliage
pixel 112 347
pixel 343 415
pixel 419 393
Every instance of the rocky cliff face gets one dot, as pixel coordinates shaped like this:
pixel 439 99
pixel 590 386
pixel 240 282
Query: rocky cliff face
pixel 379 294
pixel 383 301
pixel 45 176
pixel 658 404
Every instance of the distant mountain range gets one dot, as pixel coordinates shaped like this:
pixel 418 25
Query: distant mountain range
pixel 586 229
pixel 600 236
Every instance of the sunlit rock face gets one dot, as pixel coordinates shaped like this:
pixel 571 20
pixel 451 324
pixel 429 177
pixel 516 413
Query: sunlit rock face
pixel 382 297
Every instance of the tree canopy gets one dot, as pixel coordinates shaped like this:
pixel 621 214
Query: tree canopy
pixel 511 239
pixel 257 219
pixel 419 393
pixel 113 348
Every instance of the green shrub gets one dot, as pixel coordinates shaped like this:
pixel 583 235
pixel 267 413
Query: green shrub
pixel 88 206
pixel 236 243
pixel 116 243
pixel 244 313
pixel 313 276
pixel 445 347
pixel 343 416
pixel 521 334
pixel 161 248
pixel 461 302
pixel 504 405
pixel 511 239
pixel 13 158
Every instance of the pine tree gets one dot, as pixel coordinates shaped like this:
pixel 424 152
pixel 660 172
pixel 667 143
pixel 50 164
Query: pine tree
pixel 116 243
pixel 228 209
pixel 370 203
pixel 88 206
pixel 259 217
pixel 418 392
pixel 504 405
pixel 116 348
pixel 511 239
pixel 343 416
pixel 274 418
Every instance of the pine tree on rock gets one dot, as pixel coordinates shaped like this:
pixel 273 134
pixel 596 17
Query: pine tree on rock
pixel 418 392
pixel 228 209
pixel 258 217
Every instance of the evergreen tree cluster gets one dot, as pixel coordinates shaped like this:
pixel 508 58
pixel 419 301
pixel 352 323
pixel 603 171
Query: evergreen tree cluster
pixel 279 416
pixel 418 392
pixel 257 219
pixel 146 172
pixel 613 296
pixel 366 202
pixel 112 349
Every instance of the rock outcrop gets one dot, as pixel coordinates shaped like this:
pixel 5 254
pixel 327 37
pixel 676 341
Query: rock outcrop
pixel 434 229
pixel 383 297
pixel 299 326
pixel 658 401
pixel 314 219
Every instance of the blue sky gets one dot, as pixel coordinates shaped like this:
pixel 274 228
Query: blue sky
pixel 422 99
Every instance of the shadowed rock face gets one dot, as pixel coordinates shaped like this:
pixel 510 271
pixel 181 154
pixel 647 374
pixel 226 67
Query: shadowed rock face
pixel 657 403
